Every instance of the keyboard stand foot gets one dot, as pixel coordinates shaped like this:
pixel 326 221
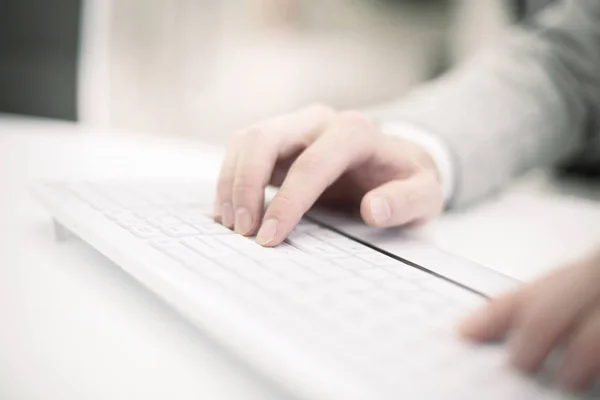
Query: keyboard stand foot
pixel 61 233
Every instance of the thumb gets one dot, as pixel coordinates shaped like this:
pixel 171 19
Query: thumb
pixel 403 201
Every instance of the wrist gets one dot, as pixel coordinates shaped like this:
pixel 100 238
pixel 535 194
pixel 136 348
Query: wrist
pixel 429 150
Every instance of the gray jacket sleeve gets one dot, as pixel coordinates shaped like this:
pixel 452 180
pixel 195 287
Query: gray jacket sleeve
pixel 535 101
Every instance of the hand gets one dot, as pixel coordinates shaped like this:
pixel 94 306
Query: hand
pixel 319 155
pixel 563 308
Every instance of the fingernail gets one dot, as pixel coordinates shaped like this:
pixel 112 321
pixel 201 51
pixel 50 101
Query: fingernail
pixel 227 217
pixel 267 232
pixel 380 210
pixel 243 221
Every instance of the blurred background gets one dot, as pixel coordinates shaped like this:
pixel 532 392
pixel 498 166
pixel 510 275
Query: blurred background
pixel 208 67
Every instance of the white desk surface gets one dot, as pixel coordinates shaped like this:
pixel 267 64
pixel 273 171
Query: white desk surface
pixel 75 327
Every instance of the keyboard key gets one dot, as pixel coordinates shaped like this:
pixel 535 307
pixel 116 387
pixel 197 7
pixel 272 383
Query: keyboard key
pixel 147 213
pixel 352 263
pixel 162 244
pixel 130 222
pixel 332 271
pixel 212 228
pixel 314 246
pixel 209 247
pixel 340 241
pixel 164 221
pixel 305 226
pixel 250 248
pixel 376 274
pixel 180 231
pixel 194 217
pixel 183 255
pixel 145 232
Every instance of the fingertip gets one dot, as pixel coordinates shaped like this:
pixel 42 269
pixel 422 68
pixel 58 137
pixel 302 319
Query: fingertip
pixel 267 234
pixel 476 327
pixel 375 210
pixel 484 325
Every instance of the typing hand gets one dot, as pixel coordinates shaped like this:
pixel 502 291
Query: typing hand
pixel 319 155
pixel 563 308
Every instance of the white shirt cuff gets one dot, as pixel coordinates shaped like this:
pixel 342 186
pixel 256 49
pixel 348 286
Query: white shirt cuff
pixel 440 154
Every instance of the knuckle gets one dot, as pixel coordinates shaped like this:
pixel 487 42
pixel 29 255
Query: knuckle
pixel 245 182
pixel 284 206
pixel 536 321
pixel 357 130
pixel 224 187
pixel 308 165
pixel 238 135
pixel 322 110
pixel 255 134
pixel 357 120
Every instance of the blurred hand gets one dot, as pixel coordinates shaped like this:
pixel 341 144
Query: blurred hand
pixel 319 155
pixel 562 308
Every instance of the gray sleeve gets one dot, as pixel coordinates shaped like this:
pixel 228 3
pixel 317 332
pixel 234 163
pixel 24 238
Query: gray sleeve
pixel 532 102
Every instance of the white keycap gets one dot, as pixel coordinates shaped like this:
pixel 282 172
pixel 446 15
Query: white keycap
pixel 252 249
pixel 352 263
pixel 131 222
pixel 376 274
pixel 193 215
pixel 184 255
pixel 147 213
pixel 314 246
pixel 180 231
pixel 305 226
pixel 209 247
pixel 333 271
pixel 212 228
pixel 145 232
pixel 162 244
pixel 340 241
pixel 164 221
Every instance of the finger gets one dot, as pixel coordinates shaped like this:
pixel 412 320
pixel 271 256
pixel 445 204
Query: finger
pixel 403 201
pixel 549 315
pixel 581 367
pixel 346 143
pixel 493 321
pixel 253 172
pixel 223 206
pixel 259 152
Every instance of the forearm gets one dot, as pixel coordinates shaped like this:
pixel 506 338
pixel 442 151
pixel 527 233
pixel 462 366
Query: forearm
pixel 527 104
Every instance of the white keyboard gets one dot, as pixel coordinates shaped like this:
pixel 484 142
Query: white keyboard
pixel 390 322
